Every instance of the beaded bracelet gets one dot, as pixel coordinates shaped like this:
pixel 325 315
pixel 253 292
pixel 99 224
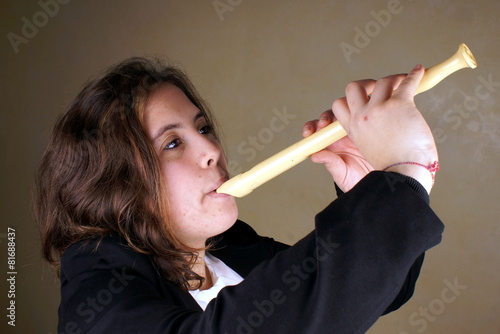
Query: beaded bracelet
pixel 433 168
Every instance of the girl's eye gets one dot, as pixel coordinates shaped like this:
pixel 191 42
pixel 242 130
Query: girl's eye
pixel 173 144
pixel 205 130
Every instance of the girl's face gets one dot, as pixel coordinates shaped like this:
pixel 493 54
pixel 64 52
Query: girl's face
pixel 192 165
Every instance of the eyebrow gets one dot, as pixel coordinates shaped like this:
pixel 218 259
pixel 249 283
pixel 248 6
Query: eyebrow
pixel 172 126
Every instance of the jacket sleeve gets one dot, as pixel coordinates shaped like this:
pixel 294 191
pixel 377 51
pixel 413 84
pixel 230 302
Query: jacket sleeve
pixel 242 242
pixel 411 279
pixel 338 279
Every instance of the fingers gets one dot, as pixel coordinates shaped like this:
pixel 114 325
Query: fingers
pixel 358 92
pixel 310 127
pixel 409 85
pixel 357 96
pixel 385 87
pixel 363 92
pixel 341 111
pixel 400 86
pixel 325 118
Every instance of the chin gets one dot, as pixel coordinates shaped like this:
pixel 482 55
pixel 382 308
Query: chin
pixel 229 218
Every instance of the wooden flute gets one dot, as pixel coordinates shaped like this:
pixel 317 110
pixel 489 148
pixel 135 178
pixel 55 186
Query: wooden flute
pixel 244 183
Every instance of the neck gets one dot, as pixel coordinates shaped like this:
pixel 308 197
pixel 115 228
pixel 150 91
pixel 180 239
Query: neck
pixel 201 269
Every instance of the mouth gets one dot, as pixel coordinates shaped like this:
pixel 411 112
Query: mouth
pixel 216 185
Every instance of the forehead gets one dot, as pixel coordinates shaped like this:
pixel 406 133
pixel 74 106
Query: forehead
pixel 166 106
pixel 168 101
pixel 168 96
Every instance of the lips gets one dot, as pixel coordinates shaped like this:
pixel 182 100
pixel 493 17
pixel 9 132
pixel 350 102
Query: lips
pixel 216 185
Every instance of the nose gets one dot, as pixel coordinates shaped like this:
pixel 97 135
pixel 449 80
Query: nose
pixel 209 151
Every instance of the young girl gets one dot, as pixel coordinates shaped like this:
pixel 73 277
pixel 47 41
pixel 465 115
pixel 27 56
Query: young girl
pixel 129 217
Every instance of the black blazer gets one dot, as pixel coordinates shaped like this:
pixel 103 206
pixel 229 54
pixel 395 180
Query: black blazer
pixel 361 260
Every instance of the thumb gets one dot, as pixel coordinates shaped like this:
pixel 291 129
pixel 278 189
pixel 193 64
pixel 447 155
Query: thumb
pixel 333 164
pixel 328 158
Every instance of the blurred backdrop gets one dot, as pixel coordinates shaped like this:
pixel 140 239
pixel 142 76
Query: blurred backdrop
pixel 266 67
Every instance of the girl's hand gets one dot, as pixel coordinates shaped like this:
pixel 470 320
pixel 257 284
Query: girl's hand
pixel 342 159
pixel 381 119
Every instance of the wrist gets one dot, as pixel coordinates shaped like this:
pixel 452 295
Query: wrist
pixel 425 175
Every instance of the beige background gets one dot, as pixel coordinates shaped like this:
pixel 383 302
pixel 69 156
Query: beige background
pixel 254 60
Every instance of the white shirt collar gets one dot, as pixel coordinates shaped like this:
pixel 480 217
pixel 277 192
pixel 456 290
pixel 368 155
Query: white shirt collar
pixel 222 276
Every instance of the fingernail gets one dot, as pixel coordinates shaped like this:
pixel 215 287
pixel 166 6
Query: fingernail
pixel 417 67
pixel 307 130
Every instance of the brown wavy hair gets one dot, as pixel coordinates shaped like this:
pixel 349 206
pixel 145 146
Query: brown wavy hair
pixel 100 174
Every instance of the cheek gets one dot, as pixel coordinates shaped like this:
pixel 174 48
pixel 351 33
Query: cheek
pixel 182 181
pixel 179 185
pixel 176 176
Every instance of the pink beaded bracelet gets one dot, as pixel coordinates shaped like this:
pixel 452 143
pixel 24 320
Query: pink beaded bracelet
pixel 433 168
